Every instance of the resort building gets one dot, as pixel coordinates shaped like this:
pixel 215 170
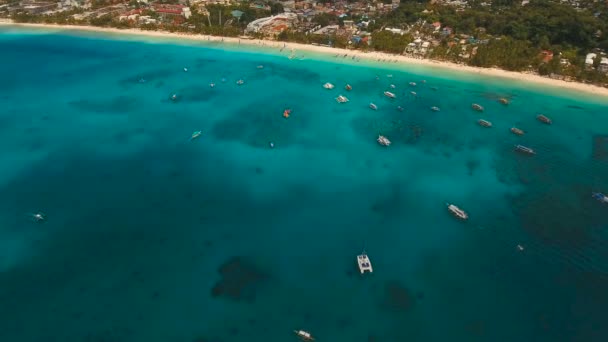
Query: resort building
pixel 274 24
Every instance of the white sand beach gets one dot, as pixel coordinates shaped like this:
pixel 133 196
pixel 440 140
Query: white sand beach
pixel 380 57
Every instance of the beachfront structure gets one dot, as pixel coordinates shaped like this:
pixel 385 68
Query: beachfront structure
pixel 274 24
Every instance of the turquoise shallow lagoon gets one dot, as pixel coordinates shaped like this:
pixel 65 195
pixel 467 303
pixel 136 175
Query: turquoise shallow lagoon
pixel 152 237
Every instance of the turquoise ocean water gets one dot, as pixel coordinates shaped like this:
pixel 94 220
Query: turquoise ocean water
pixel 152 237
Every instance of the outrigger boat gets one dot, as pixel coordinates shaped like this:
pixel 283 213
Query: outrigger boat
pixel 341 99
pixel 600 197
pixel 517 131
pixel 328 86
pixel 477 107
pixel 364 264
pixel 457 212
pixel 373 106
pixel 348 87
pixel 195 135
pixel 435 109
pixel 390 95
pixel 484 123
pixel 543 119
pixel 304 335
pixel 382 140
pixel 503 101
pixel 524 149
pixel 240 82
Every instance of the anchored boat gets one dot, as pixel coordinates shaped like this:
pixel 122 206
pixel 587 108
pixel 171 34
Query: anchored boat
pixel 484 123
pixel 435 109
pixel 348 87
pixel 328 86
pixel 364 264
pixel 286 113
pixel 504 101
pixel 341 99
pixel 304 335
pixel 543 119
pixel 382 140
pixel 240 82
pixel 524 149
pixel 373 106
pixel 389 95
pixel 477 107
pixel 195 135
pixel 413 84
pixel 457 212
pixel 517 131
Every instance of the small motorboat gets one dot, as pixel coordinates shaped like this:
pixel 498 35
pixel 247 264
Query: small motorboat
pixel 413 93
pixel 364 264
pixel 517 131
pixel 341 99
pixel 524 149
pixel 286 113
pixel 38 217
pixel 600 197
pixel 390 95
pixel 260 67
pixel 435 109
pixel 457 212
pixel 520 248
pixel 195 135
pixel 543 119
pixel 348 87
pixel 373 106
pixel 185 69
pixel 212 85
pixel 412 84
pixel 382 140
pixel 484 123
pixel 304 335
pixel 477 107
pixel 240 82
pixel 328 86
pixel 173 97
pixel 503 101
pixel 392 86
pixel 271 144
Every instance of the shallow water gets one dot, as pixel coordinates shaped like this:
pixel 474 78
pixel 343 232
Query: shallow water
pixel 153 237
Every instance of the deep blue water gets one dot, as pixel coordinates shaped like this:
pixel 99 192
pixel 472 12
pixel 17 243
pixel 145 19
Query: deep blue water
pixel 152 237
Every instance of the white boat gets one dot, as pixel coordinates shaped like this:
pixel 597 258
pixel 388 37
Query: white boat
pixel 342 99
pixel 260 67
pixel 477 107
pixel 373 106
pixel 38 217
pixel 457 212
pixel 364 264
pixel 382 140
pixel 328 86
pixel 392 86
pixel 413 84
pixel 185 69
pixel 600 197
pixel 520 248
pixel 211 85
pixel 174 97
pixel 271 144
pixel 413 93
pixel 524 149
pixel 240 82
pixel 304 335
pixel 390 95
pixel 517 131
pixel 435 109
pixel 196 135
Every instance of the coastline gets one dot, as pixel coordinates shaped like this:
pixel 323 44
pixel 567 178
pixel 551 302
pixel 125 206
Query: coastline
pixel 377 57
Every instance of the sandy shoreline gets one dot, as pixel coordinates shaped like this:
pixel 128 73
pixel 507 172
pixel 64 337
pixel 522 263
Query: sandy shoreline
pixel 371 56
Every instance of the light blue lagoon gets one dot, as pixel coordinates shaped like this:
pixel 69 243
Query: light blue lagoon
pixel 151 236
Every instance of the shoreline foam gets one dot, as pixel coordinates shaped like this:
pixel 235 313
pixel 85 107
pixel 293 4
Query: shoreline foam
pixel 428 64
